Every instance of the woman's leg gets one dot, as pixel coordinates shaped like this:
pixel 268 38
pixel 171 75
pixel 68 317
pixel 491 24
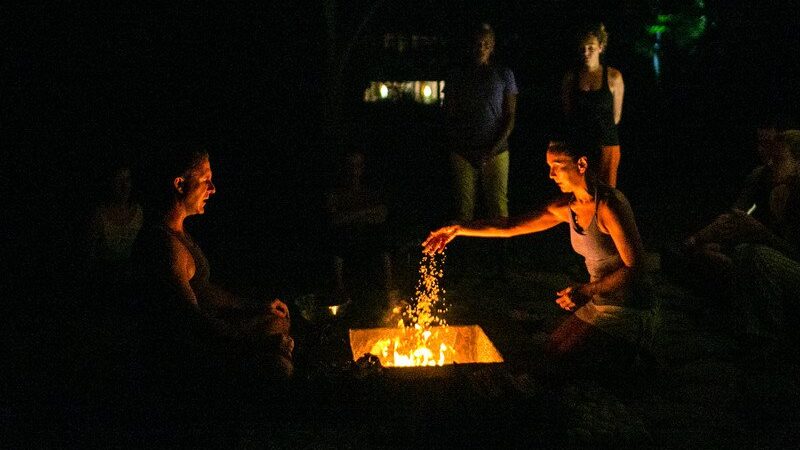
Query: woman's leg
pixel 577 349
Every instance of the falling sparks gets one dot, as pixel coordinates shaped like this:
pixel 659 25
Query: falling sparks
pixel 420 345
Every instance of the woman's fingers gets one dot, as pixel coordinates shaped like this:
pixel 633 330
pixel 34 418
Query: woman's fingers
pixel 438 239
pixel 565 303
pixel 279 308
pixel 436 242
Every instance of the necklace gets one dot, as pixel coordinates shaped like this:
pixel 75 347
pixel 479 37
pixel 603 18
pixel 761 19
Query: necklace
pixel 577 226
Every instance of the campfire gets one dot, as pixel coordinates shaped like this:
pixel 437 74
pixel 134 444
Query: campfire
pixel 399 347
pixel 422 336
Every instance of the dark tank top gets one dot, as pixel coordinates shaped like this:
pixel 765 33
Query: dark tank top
pixel 592 113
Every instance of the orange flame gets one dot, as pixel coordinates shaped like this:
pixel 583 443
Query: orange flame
pixel 415 349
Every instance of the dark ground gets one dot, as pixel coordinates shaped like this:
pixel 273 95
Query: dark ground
pixel 82 84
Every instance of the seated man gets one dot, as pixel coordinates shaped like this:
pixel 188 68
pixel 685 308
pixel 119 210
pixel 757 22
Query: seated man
pixel 182 308
pixel 766 264
pixel 753 248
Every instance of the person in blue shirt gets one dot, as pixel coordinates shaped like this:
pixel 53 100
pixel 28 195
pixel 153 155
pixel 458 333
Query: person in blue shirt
pixel 480 104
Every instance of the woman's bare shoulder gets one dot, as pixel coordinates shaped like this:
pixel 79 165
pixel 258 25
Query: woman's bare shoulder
pixel 614 75
pixel 613 205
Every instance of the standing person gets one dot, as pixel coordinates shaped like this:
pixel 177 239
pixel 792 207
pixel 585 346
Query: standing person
pixel 480 107
pixel 114 224
pixel 603 329
pixel 592 100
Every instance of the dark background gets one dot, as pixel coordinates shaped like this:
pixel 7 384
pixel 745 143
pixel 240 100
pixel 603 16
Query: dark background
pixel 274 92
pixel 252 83
pixel 256 83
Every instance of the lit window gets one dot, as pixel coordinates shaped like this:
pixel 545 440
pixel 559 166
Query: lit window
pixel 427 92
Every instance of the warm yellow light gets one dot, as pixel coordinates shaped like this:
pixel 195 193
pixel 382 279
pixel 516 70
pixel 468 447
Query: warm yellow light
pixel 333 309
pixel 426 340
pixel 397 347
pixel 384 91
pixel 426 91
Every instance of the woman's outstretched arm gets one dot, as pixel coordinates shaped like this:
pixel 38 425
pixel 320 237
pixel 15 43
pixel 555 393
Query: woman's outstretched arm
pixel 541 220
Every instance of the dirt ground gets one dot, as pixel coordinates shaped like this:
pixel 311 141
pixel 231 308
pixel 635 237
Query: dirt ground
pixel 699 391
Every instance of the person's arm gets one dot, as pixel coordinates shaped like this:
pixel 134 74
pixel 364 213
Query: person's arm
pixel 738 228
pixel 552 215
pixel 615 217
pixel 509 119
pixel 221 298
pixel 182 269
pixel 617 87
pixel 747 194
pixel 713 232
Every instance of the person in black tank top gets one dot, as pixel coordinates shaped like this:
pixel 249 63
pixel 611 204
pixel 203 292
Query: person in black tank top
pixel 592 101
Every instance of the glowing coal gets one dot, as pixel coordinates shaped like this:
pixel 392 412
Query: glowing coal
pixel 422 336
pixel 453 344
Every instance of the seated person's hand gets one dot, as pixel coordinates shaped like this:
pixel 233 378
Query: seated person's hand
pixel 738 227
pixel 439 239
pixel 571 298
pixel 286 345
pixel 278 308
pixel 729 228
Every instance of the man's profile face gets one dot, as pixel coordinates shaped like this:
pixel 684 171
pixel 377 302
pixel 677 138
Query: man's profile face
pixel 197 188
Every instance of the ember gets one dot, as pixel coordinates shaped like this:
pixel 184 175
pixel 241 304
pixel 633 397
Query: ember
pixel 466 344
pixel 422 337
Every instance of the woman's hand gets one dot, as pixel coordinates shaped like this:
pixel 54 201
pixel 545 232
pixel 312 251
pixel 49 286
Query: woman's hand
pixel 572 297
pixel 278 308
pixel 439 239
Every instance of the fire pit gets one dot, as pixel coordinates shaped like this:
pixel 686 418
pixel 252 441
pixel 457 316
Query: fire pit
pixel 423 337
pixel 400 347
